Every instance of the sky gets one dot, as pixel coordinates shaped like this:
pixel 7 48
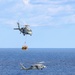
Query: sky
pixel 52 23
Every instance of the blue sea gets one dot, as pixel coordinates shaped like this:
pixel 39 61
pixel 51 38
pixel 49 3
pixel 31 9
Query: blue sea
pixel 59 61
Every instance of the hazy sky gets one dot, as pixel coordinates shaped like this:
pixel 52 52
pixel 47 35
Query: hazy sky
pixel 52 23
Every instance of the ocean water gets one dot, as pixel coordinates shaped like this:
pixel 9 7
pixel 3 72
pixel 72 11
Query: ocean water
pixel 59 61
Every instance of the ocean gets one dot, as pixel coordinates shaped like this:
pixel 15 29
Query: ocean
pixel 59 61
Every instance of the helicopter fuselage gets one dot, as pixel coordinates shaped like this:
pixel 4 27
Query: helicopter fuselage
pixel 32 67
pixel 25 30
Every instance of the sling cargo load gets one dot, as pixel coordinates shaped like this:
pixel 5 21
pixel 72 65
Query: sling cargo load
pixel 24 47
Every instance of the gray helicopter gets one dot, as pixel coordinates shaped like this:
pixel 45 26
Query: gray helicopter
pixel 25 30
pixel 38 66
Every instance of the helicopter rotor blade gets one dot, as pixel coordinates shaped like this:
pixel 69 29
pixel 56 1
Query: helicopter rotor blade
pixel 16 28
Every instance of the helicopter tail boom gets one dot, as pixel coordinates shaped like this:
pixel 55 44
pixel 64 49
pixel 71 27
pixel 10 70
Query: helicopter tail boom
pixel 22 67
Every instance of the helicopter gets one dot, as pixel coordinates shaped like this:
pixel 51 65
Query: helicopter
pixel 25 30
pixel 38 66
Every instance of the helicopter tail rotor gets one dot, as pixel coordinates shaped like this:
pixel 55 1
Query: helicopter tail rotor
pixel 18 25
